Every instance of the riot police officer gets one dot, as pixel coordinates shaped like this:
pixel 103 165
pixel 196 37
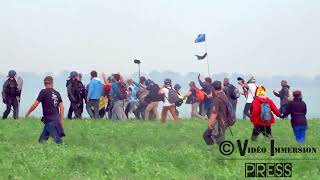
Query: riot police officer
pixel 11 95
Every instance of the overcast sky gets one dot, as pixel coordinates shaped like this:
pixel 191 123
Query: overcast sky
pixel 265 37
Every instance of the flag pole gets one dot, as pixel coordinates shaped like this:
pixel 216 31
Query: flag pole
pixel 205 42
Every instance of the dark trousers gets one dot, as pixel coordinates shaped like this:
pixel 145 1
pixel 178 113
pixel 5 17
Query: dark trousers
pixel 11 102
pixel 50 130
pixel 93 108
pixel 247 109
pixel 139 113
pixel 127 110
pixel 265 130
pixel 77 109
pixel 283 108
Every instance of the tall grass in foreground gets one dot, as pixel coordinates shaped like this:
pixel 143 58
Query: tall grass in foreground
pixel 137 149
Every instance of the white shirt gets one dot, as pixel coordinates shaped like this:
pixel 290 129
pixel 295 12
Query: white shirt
pixel 165 91
pixel 251 92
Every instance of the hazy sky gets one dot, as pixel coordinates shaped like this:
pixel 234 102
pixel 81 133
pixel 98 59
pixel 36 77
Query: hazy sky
pixel 262 37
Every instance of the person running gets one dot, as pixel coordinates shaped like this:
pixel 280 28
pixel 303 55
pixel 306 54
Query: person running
pixel 192 99
pixel 284 95
pixel 262 116
pixel 207 89
pixel 74 96
pixel 53 112
pixel 11 95
pixel 251 87
pixel 95 88
pixel 167 106
pixel 298 110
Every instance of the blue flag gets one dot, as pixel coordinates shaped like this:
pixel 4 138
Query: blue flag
pixel 200 38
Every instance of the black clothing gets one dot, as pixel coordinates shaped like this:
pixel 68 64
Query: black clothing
pixel 50 100
pixel 77 94
pixel 10 95
pixel 283 94
pixel 11 102
pixel 192 98
pixel 248 109
pixel 265 130
pixel 298 110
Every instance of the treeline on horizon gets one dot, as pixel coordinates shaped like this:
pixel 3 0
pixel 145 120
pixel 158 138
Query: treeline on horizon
pixel 158 77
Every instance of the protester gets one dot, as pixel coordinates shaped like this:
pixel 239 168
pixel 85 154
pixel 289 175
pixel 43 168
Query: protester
pixel 251 87
pixel 142 93
pixel 133 96
pixel 231 92
pixel 298 110
pixel 215 134
pixel 166 91
pixel 194 97
pixel 95 88
pixel 53 112
pixel 177 88
pixel 262 113
pixel 74 96
pixel 11 95
pixel 207 89
pixel 119 95
pixel 284 95
pixel 152 99
pixel 108 89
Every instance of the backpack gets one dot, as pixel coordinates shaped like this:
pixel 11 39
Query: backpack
pixel 12 88
pixel 234 92
pixel 199 95
pixel 153 95
pixel 265 114
pixel 172 96
pixel 179 102
pixel 122 89
pixel 231 113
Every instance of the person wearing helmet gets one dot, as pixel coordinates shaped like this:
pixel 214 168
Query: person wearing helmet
pixel 74 96
pixel 166 90
pixel 10 95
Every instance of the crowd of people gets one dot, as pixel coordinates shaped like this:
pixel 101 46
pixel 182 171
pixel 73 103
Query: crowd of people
pixel 116 98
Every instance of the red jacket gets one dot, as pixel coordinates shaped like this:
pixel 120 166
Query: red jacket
pixel 256 111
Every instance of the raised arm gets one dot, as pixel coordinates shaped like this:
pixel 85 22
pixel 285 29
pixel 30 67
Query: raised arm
pixel 105 80
pixel 276 93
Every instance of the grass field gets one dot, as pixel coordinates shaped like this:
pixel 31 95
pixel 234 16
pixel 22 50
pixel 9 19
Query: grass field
pixel 142 150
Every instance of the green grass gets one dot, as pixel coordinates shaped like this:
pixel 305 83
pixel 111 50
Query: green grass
pixel 141 150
